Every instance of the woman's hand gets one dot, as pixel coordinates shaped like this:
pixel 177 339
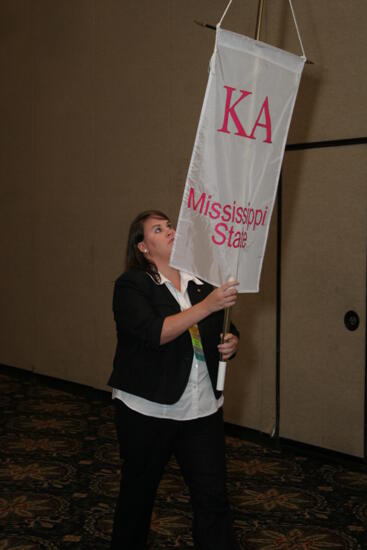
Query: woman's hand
pixel 229 346
pixel 222 297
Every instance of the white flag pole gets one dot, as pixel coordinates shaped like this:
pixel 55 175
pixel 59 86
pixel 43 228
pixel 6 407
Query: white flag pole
pixel 222 366
pixel 221 377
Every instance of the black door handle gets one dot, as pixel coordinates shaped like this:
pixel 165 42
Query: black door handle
pixel 351 320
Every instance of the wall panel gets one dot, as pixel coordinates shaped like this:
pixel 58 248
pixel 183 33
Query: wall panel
pixel 17 185
pixel 323 276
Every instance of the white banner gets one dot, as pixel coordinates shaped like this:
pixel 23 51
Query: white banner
pixel 234 170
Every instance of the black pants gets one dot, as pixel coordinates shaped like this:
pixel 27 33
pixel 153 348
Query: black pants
pixel 146 445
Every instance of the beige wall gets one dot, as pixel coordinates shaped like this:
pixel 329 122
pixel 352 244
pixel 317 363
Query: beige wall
pixel 100 102
pixel 322 380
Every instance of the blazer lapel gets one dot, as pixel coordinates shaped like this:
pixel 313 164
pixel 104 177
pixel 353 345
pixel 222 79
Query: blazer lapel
pixel 197 292
pixel 164 296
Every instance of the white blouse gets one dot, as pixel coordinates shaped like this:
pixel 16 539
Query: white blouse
pixel 198 399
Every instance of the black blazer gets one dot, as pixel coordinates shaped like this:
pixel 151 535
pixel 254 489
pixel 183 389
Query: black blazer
pixel 141 365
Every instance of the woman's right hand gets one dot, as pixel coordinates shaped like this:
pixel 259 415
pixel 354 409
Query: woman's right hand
pixel 222 297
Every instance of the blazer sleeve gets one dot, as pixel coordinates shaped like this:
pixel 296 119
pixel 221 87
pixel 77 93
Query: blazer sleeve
pixel 134 312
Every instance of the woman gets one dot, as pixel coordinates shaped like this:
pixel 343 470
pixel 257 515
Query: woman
pixel 164 377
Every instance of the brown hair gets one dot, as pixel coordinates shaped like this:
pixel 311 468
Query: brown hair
pixel 135 258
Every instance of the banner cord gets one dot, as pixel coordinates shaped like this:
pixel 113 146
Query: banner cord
pixel 294 19
pixel 298 33
pixel 224 14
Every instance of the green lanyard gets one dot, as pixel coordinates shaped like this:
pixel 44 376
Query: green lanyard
pixel 196 343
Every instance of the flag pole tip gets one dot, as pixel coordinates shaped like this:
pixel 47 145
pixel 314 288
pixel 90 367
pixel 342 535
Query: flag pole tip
pixel 206 25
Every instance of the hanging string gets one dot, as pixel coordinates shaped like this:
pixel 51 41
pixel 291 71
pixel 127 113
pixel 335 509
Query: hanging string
pixel 298 33
pixel 294 19
pixel 224 14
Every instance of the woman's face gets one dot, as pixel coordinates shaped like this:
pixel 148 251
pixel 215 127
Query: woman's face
pixel 158 240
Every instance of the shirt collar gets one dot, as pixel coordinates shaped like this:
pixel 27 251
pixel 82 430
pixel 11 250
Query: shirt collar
pixel 185 279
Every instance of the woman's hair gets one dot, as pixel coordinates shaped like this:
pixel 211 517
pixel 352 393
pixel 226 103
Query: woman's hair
pixel 135 258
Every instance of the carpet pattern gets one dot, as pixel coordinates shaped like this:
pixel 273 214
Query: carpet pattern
pixel 59 478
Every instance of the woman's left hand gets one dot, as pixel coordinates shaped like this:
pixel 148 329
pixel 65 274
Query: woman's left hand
pixel 229 347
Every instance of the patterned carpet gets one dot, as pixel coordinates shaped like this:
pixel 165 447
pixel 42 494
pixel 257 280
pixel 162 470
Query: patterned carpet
pixel 59 475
